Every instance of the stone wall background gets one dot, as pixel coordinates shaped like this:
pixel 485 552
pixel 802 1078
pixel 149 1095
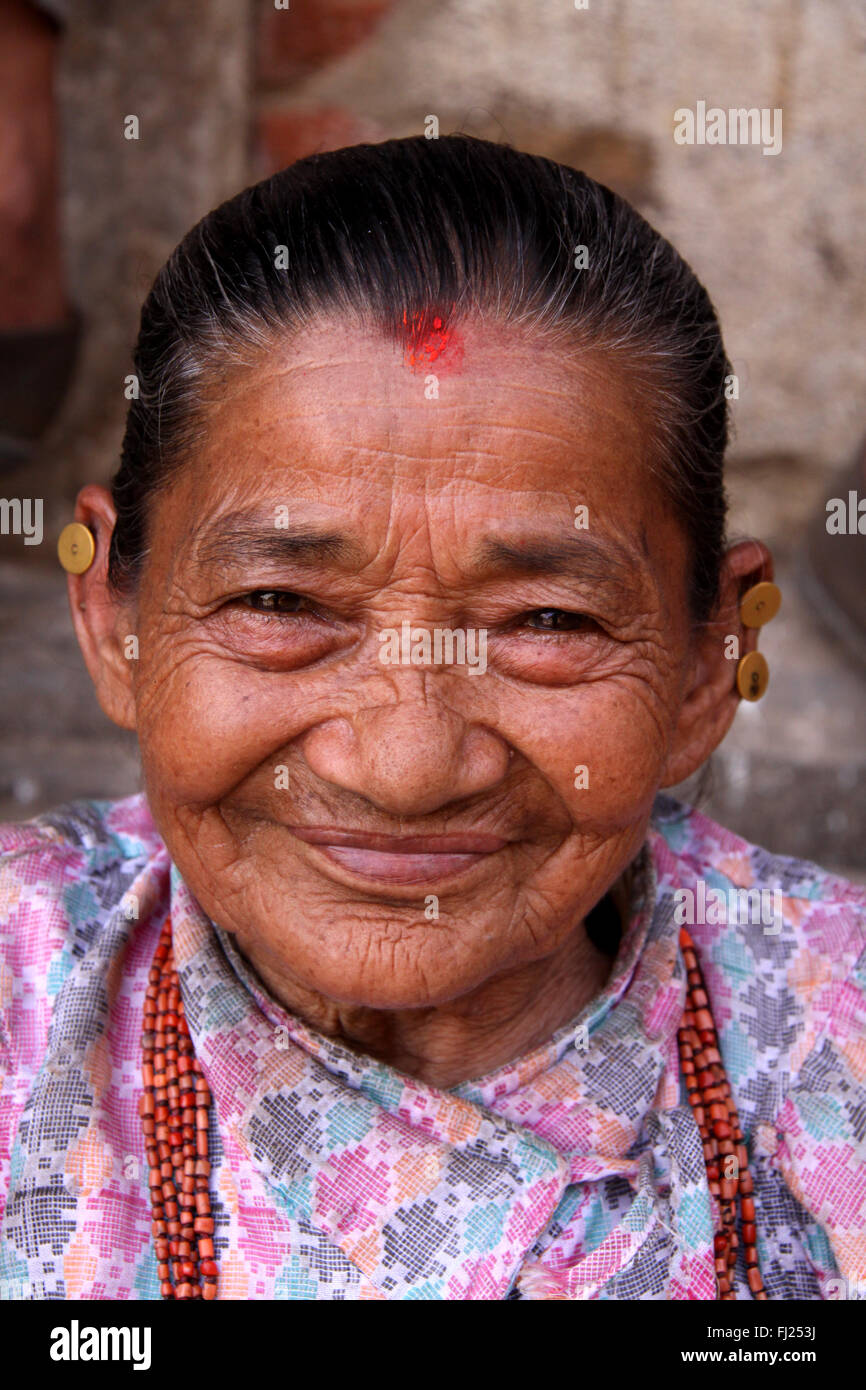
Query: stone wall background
pixel 227 90
pixel 776 239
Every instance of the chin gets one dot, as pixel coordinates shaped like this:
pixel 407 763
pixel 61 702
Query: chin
pixel 415 981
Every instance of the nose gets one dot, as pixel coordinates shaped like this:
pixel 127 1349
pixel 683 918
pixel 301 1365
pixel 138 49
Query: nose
pixel 407 759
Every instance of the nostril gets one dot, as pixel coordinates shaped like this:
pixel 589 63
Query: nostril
pixel 406 759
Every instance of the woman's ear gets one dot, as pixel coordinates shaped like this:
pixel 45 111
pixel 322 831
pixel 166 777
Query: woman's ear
pixel 104 622
pixel 711 696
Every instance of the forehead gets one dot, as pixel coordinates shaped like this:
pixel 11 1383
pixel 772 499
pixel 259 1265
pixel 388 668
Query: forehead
pixel 495 413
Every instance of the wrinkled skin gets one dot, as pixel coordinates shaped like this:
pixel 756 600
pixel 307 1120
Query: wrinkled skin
pixel 227 691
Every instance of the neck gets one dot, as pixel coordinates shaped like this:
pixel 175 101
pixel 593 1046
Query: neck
pixel 465 1038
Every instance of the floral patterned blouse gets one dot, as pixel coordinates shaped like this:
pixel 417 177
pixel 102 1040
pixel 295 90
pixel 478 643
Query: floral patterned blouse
pixel 575 1172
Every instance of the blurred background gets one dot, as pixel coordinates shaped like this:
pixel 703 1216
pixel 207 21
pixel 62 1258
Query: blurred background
pixel 226 91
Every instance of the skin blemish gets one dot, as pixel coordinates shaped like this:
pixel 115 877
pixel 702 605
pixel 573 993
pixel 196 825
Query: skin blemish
pixel 432 343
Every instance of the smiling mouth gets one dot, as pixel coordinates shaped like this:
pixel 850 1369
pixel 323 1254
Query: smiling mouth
pixel 402 858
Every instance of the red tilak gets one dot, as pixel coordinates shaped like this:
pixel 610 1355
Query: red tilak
pixel 431 339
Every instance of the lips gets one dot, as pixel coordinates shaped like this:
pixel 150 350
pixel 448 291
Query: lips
pixel 401 858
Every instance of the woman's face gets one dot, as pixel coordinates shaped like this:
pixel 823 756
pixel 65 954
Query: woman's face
pixel 394 834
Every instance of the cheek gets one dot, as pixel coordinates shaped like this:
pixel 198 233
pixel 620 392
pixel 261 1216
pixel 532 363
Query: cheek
pixel 205 724
pixel 602 747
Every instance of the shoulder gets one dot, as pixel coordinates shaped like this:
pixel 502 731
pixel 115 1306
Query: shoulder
pixel 783 948
pixel 782 941
pixel 801 902
pixel 698 843
pixel 101 831
pixel 56 866
pixel 61 876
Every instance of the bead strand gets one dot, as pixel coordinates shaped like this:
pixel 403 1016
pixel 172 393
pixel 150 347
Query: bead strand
pixel 174 1110
pixel 175 1105
pixel 712 1102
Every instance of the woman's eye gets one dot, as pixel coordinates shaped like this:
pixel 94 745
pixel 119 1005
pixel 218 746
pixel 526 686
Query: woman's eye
pixel 273 601
pixel 558 620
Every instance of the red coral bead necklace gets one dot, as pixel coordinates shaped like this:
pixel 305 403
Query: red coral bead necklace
pixel 175 1110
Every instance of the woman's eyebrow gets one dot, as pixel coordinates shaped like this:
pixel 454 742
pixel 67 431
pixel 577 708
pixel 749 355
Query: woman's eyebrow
pixel 235 540
pixel 240 538
pixel 601 563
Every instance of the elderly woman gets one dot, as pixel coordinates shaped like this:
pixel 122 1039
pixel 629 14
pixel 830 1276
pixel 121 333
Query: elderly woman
pixel 401 979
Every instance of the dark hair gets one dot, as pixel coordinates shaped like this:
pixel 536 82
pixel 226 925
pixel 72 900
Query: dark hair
pixel 389 234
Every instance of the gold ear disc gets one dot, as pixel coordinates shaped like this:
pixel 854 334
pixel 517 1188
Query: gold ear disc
pixel 76 547
pixel 760 604
pixel 753 676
